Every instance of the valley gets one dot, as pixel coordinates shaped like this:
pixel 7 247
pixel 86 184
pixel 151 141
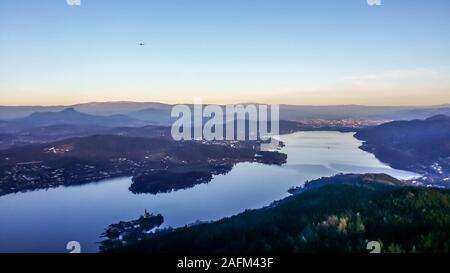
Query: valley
pixel 152 170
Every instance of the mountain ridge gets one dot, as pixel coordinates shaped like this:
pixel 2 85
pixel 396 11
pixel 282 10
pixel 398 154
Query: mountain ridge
pixel 68 116
pixel 288 111
pixel 421 146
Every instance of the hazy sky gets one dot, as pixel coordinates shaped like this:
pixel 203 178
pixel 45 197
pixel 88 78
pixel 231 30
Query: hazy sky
pixel 297 52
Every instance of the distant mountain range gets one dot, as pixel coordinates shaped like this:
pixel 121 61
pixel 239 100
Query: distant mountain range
pixel 102 118
pixel 359 112
pixel 68 116
pixel 159 113
pixel 93 108
pixel 417 145
pixel 48 126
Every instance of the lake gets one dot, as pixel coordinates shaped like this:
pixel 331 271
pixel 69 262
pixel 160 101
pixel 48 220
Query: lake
pixel 45 220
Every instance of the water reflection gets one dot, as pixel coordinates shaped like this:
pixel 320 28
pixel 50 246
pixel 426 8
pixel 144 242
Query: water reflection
pixel 45 220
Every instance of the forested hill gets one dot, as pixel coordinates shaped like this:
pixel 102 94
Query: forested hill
pixel 418 145
pixel 340 217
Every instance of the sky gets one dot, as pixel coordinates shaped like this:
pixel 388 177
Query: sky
pixel 316 52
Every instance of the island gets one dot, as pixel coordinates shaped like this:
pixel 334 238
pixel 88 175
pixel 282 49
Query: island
pixel 124 233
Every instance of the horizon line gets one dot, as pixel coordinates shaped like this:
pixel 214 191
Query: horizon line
pixel 220 104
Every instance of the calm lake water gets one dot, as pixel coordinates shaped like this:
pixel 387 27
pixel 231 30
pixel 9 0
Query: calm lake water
pixel 45 220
